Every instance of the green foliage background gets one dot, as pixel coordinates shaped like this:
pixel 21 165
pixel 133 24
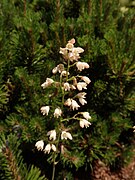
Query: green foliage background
pixel 31 33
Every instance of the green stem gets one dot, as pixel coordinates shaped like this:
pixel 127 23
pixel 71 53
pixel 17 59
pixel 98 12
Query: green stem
pixel 53 173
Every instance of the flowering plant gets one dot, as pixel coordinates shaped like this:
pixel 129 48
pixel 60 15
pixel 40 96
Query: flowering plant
pixel 70 95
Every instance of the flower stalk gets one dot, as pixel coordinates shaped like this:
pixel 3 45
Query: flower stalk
pixel 72 98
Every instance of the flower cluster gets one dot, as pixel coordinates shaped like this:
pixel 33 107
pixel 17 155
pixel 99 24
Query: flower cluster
pixel 67 82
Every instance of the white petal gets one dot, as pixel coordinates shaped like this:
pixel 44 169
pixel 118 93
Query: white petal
pixel 74 105
pixel 86 79
pixel 47 148
pixel 86 115
pixel 39 145
pixel 53 147
pixel 82 101
pixel 45 110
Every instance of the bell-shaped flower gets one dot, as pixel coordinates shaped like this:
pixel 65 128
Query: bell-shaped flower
pixel 69 46
pixel 55 70
pixel 68 102
pixel 86 115
pixel 39 145
pixel 81 95
pixel 66 86
pixel 48 148
pixel 45 110
pixel 84 123
pixel 81 85
pixel 72 87
pixel 66 135
pixel 82 101
pixel 64 73
pixel 57 112
pixel 82 65
pixel 86 79
pixel 53 147
pixel 63 51
pixel 52 135
pixel 72 41
pixel 47 83
pixel 74 105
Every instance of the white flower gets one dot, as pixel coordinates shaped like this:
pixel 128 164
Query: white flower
pixel 66 86
pixel 55 70
pixel 133 128
pixel 57 112
pixel 71 41
pixel 82 101
pixel 81 85
pixel 123 9
pixel 84 123
pixel 82 65
pixel 69 46
pixel 74 105
pixel 64 73
pixel 39 145
pixel 63 51
pixel 47 83
pixel 72 87
pixel 52 135
pixel 66 135
pixel 68 102
pixel 81 95
pixel 48 148
pixel 53 147
pixel 86 79
pixel 45 110
pixel 86 115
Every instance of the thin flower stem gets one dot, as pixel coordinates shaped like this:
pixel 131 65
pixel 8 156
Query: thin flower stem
pixel 53 173
pixel 68 119
pixel 54 162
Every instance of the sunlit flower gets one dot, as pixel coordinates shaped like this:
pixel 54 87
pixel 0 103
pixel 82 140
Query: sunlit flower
pixel 82 65
pixel 84 123
pixel 40 145
pixel 47 83
pixel 68 102
pixel 52 135
pixel 86 79
pixel 86 115
pixel 82 101
pixel 66 135
pixel 66 86
pixel 57 112
pixel 48 148
pixel 74 105
pixel 81 85
pixel 45 110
